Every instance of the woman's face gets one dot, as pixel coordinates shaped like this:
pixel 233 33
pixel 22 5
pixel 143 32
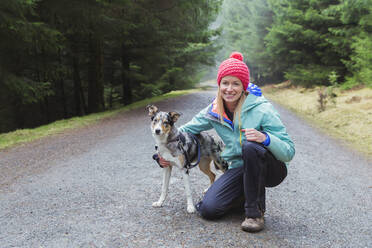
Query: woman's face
pixel 231 89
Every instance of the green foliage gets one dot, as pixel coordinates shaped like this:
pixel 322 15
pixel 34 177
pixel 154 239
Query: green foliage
pixel 361 59
pixel 333 78
pixel 64 58
pixel 25 47
pixel 300 40
pixel 300 30
pixel 308 75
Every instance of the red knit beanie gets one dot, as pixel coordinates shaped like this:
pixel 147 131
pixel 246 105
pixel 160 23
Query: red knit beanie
pixel 234 66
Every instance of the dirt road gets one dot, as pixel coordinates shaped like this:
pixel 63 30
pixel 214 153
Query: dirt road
pixel 94 187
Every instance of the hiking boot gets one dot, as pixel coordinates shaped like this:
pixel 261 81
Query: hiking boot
pixel 253 224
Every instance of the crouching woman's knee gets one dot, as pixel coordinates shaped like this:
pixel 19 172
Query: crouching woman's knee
pixel 250 148
pixel 209 210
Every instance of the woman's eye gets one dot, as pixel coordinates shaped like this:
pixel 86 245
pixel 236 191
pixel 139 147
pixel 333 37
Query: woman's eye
pixel 224 83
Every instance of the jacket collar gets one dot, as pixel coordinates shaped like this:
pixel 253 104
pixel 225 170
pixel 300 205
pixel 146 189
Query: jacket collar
pixel 213 112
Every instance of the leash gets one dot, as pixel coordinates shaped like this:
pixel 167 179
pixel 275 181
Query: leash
pixel 182 141
pixel 188 164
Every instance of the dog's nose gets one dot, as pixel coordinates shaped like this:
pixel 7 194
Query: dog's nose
pixel 157 131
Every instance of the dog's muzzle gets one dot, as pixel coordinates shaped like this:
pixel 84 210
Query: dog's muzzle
pixel 157 131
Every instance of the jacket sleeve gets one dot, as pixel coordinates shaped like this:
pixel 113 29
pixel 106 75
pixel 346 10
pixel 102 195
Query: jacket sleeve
pixel 198 123
pixel 281 144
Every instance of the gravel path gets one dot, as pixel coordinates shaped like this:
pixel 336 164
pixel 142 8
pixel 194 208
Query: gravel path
pixel 93 187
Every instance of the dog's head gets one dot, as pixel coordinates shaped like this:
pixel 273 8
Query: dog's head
pixel 161 122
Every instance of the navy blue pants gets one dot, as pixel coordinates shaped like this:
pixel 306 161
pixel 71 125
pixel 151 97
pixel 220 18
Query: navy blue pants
pixel 245 184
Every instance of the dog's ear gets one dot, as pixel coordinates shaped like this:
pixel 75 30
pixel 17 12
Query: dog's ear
pixel 152 110
pixel 174 116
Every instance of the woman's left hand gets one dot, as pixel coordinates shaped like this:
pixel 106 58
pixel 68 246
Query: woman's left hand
pixel 253 135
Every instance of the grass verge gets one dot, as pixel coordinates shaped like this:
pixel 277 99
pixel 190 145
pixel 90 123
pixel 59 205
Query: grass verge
pixel 348 119
pixel 21 136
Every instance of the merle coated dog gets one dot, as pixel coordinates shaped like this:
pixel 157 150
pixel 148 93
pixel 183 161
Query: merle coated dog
pixel 183 150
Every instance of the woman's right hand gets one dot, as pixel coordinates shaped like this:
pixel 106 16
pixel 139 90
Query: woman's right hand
pixel 163 162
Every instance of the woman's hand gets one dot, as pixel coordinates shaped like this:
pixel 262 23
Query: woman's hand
pixel 163 162
pixel 253 135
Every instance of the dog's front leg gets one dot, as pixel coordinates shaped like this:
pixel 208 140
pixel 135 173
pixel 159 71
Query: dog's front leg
pixel 190 203
pixel 164 190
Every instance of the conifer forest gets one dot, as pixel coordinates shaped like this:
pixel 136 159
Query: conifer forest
pixel 66 58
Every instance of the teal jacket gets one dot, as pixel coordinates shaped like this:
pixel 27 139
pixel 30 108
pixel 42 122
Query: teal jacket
pixel 257 113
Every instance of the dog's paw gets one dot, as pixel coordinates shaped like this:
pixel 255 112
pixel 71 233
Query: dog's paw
pixel 157 204
pixel 191 209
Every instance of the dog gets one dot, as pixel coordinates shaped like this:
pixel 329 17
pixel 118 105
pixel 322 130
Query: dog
pixel 183 150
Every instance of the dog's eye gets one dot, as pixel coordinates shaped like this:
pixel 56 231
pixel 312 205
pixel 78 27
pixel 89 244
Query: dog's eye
pixel 166 124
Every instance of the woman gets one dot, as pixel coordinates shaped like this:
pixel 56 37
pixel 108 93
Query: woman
pixel 257 145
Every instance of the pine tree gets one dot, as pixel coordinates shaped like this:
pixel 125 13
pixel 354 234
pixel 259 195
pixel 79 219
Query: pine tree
pixel 298 39
pixel 26 51
pixel 354 40
pixel 66 58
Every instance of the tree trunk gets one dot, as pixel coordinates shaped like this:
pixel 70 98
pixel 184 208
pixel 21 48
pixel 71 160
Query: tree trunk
pixel 95 87
pixel 110 97
pixel 126 80
pixel 62 86
pixel 47 112
pixel 80 108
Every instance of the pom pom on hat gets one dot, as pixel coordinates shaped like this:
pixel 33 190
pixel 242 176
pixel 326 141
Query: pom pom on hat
pixel 237 55
pixel 234 66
